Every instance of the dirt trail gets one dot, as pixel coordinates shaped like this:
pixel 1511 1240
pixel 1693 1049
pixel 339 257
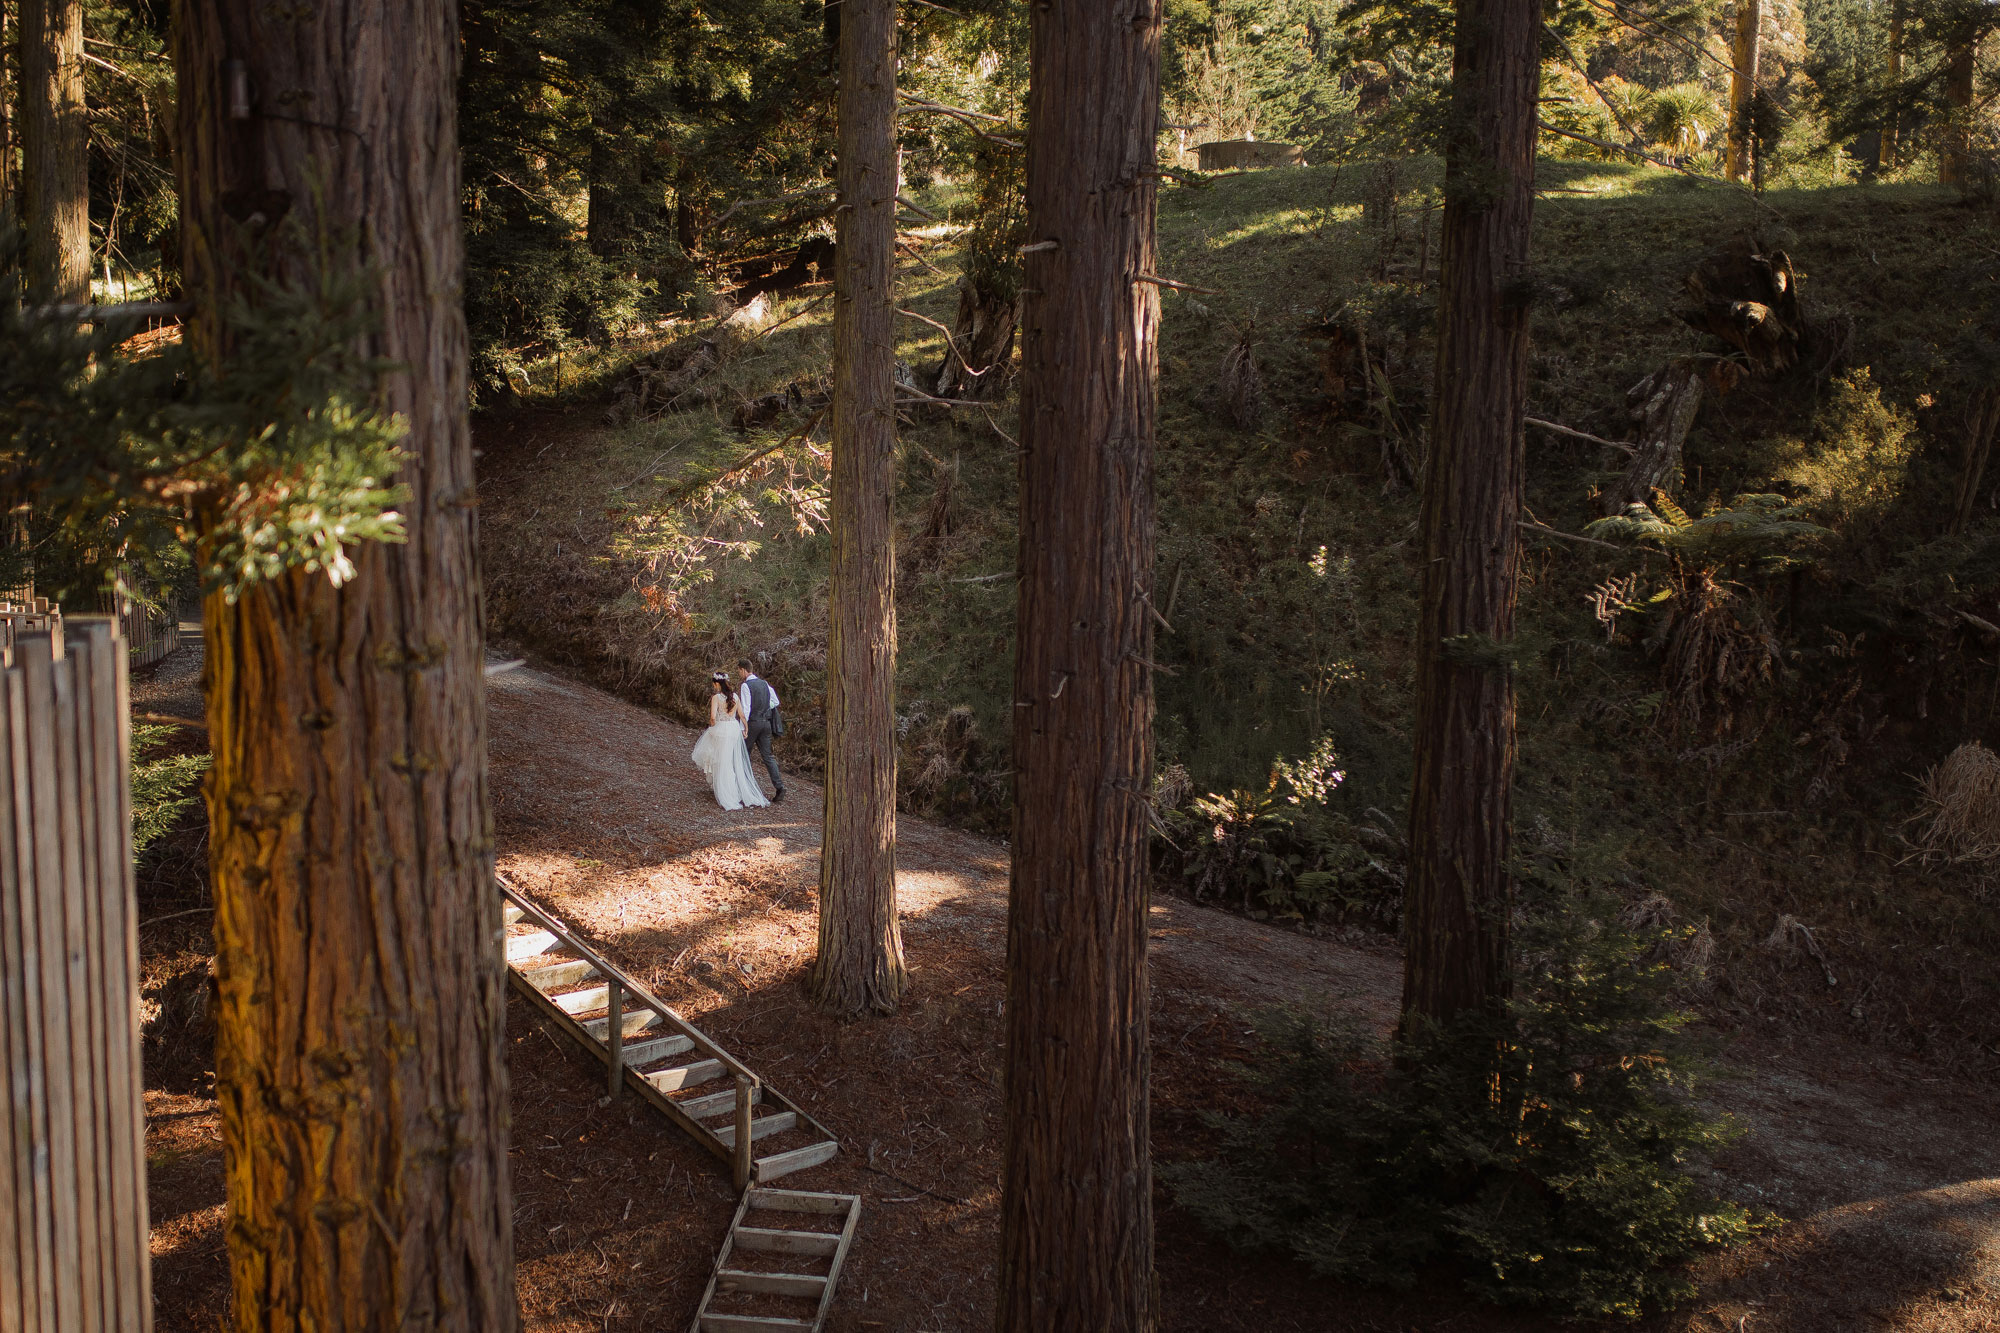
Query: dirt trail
pixel 623 762
pixel 1890 1173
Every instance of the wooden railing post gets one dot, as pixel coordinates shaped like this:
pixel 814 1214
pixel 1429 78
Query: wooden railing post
pixel 614 1036
pixel 743 1087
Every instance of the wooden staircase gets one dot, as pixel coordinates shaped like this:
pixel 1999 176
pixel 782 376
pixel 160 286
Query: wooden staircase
pixel 648 1047
pixel 779 1264
pixel 651 1049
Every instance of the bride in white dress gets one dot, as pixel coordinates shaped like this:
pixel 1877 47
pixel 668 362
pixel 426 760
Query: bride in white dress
pixel 721 753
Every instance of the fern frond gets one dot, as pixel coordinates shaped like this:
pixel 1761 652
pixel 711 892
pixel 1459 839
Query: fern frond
pixel 1636 524
pixel 1674 515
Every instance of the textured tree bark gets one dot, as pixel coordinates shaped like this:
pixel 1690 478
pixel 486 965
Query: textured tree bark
pixel 1892 126
pixel 6 117
pixel 1664 404
pixel 1076 1231
pixel 1743 86
pixel 359 1063
pixel 1459 890
pixel 55 172
pixel 1955 153
pixel 859 969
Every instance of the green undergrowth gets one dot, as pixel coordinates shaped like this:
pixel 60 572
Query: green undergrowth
pixel 1544 1157
pixel 163 783
pixel 646 554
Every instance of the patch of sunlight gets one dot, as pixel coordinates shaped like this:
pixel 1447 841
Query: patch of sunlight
pixel 1604 183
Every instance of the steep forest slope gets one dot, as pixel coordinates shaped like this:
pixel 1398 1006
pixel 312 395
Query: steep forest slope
pixel 1728 732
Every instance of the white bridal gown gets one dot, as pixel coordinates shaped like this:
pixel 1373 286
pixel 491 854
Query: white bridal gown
pixel 722 755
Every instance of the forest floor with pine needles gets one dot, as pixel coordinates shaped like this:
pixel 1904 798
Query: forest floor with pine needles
pixel 1888 1169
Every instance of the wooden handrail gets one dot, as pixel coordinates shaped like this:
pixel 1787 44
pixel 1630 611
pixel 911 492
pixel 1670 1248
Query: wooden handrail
pixel 611 973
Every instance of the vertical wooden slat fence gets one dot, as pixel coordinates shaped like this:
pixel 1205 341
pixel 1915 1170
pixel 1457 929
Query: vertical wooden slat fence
pixel 37 615
pixel 73 1240
pixel 150 632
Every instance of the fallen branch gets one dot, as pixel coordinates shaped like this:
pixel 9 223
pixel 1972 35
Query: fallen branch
pixel 1001 433
pixel 1584 70
pixel 761 454
pixel 154 920
pixel 169 720
pixel 926 104
pixel 741 204
pixel 1787 923
pixel 948 342
pixel 970 119
pixel 97 314
pixel 646 471
pixel 918 209
pixel 1662 163
pixel 1986 627
pixel 1560 429
pixel 1546 530
pixel 1151 610
pixel 907 1184
pixel 810 305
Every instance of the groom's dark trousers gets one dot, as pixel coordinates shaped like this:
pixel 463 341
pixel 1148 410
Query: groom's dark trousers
pixel 760 740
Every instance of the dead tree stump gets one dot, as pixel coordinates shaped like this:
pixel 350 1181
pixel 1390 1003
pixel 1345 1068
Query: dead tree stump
pixel 1664 405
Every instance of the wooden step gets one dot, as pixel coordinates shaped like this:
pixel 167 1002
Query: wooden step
pixel 752 1323
pixel 800 1201
pixel 659 1048
pixel 555 976
pixel 686 1076
pixel 509 914
pixel 772 1284
pixel 637 1020
pixel 798 1159
pixel 759 1129
pixel 786 1242
pixel 718 1103
pixel 583 1001
pixel 527 946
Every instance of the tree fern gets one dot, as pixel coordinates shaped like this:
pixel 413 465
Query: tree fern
pixel 1753 532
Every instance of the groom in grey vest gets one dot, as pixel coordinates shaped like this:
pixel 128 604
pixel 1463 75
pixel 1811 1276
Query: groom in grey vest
pixel 757 700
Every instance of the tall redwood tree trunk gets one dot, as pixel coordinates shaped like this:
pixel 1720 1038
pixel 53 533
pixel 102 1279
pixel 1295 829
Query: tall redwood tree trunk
pixel 1076 1228
pixel 359 1063
pixel 55 172
pixel 1954 155
pixel 1459 890
pixel 1744 58
pixel 860 965
pixel 1892 128
pixel 6 117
